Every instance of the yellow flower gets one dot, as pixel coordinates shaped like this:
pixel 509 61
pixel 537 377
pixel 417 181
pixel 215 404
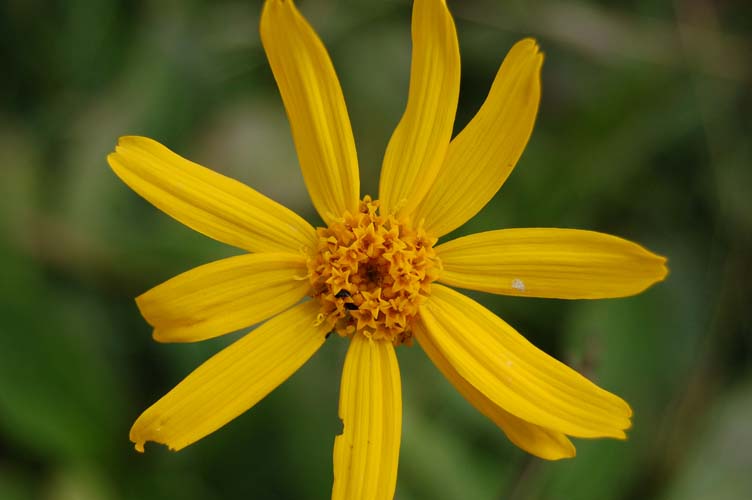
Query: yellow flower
pixel 374 274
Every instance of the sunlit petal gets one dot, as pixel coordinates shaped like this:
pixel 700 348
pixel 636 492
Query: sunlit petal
pixel 555 263
pixel 315 107
pixel 232 381
pixel 210 203
pixel 224 296
pixel 483 155
pixel 370 406
pixel 418 145
pixel 534 439
pixel 515 375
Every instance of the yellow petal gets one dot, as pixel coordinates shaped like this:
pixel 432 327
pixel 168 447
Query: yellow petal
pixel 483 155
pixel 418 145
pixel 515 375
pixel 224 296
pixel 315 108
pixel 232 381
pixel 210 203
pixel 370 406
pixel 534 439
pixel 555 263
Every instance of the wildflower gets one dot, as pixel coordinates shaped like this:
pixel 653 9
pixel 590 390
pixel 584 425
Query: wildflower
pixel 374 274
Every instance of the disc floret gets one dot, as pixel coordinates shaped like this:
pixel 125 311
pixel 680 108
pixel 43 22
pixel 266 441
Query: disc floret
pixel 370 273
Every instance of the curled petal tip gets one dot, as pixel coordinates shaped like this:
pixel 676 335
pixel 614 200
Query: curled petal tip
pixel 565 454
pixel 528 43
pixel 664 268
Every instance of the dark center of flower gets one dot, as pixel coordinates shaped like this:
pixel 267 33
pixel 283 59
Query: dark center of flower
pixel 370 273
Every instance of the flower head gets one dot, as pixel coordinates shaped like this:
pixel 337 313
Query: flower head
pixel 371 273
pixel 374 274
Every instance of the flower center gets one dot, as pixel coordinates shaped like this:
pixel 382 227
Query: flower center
pixel 370 273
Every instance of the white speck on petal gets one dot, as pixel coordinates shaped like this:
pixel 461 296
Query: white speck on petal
pixel 517 284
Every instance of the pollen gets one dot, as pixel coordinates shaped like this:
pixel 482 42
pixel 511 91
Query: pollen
pixel 370 273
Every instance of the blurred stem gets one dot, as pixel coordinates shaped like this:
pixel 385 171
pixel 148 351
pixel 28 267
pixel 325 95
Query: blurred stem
pixel 613 36
pixel 57 246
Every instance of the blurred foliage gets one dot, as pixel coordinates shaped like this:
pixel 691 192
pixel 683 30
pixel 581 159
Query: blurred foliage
pixel 644 132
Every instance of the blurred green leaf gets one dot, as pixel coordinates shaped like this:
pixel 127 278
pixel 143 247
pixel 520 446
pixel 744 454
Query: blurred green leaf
pixel 718 463
pixel 58 395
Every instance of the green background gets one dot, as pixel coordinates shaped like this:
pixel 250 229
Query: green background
pixel 643 132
